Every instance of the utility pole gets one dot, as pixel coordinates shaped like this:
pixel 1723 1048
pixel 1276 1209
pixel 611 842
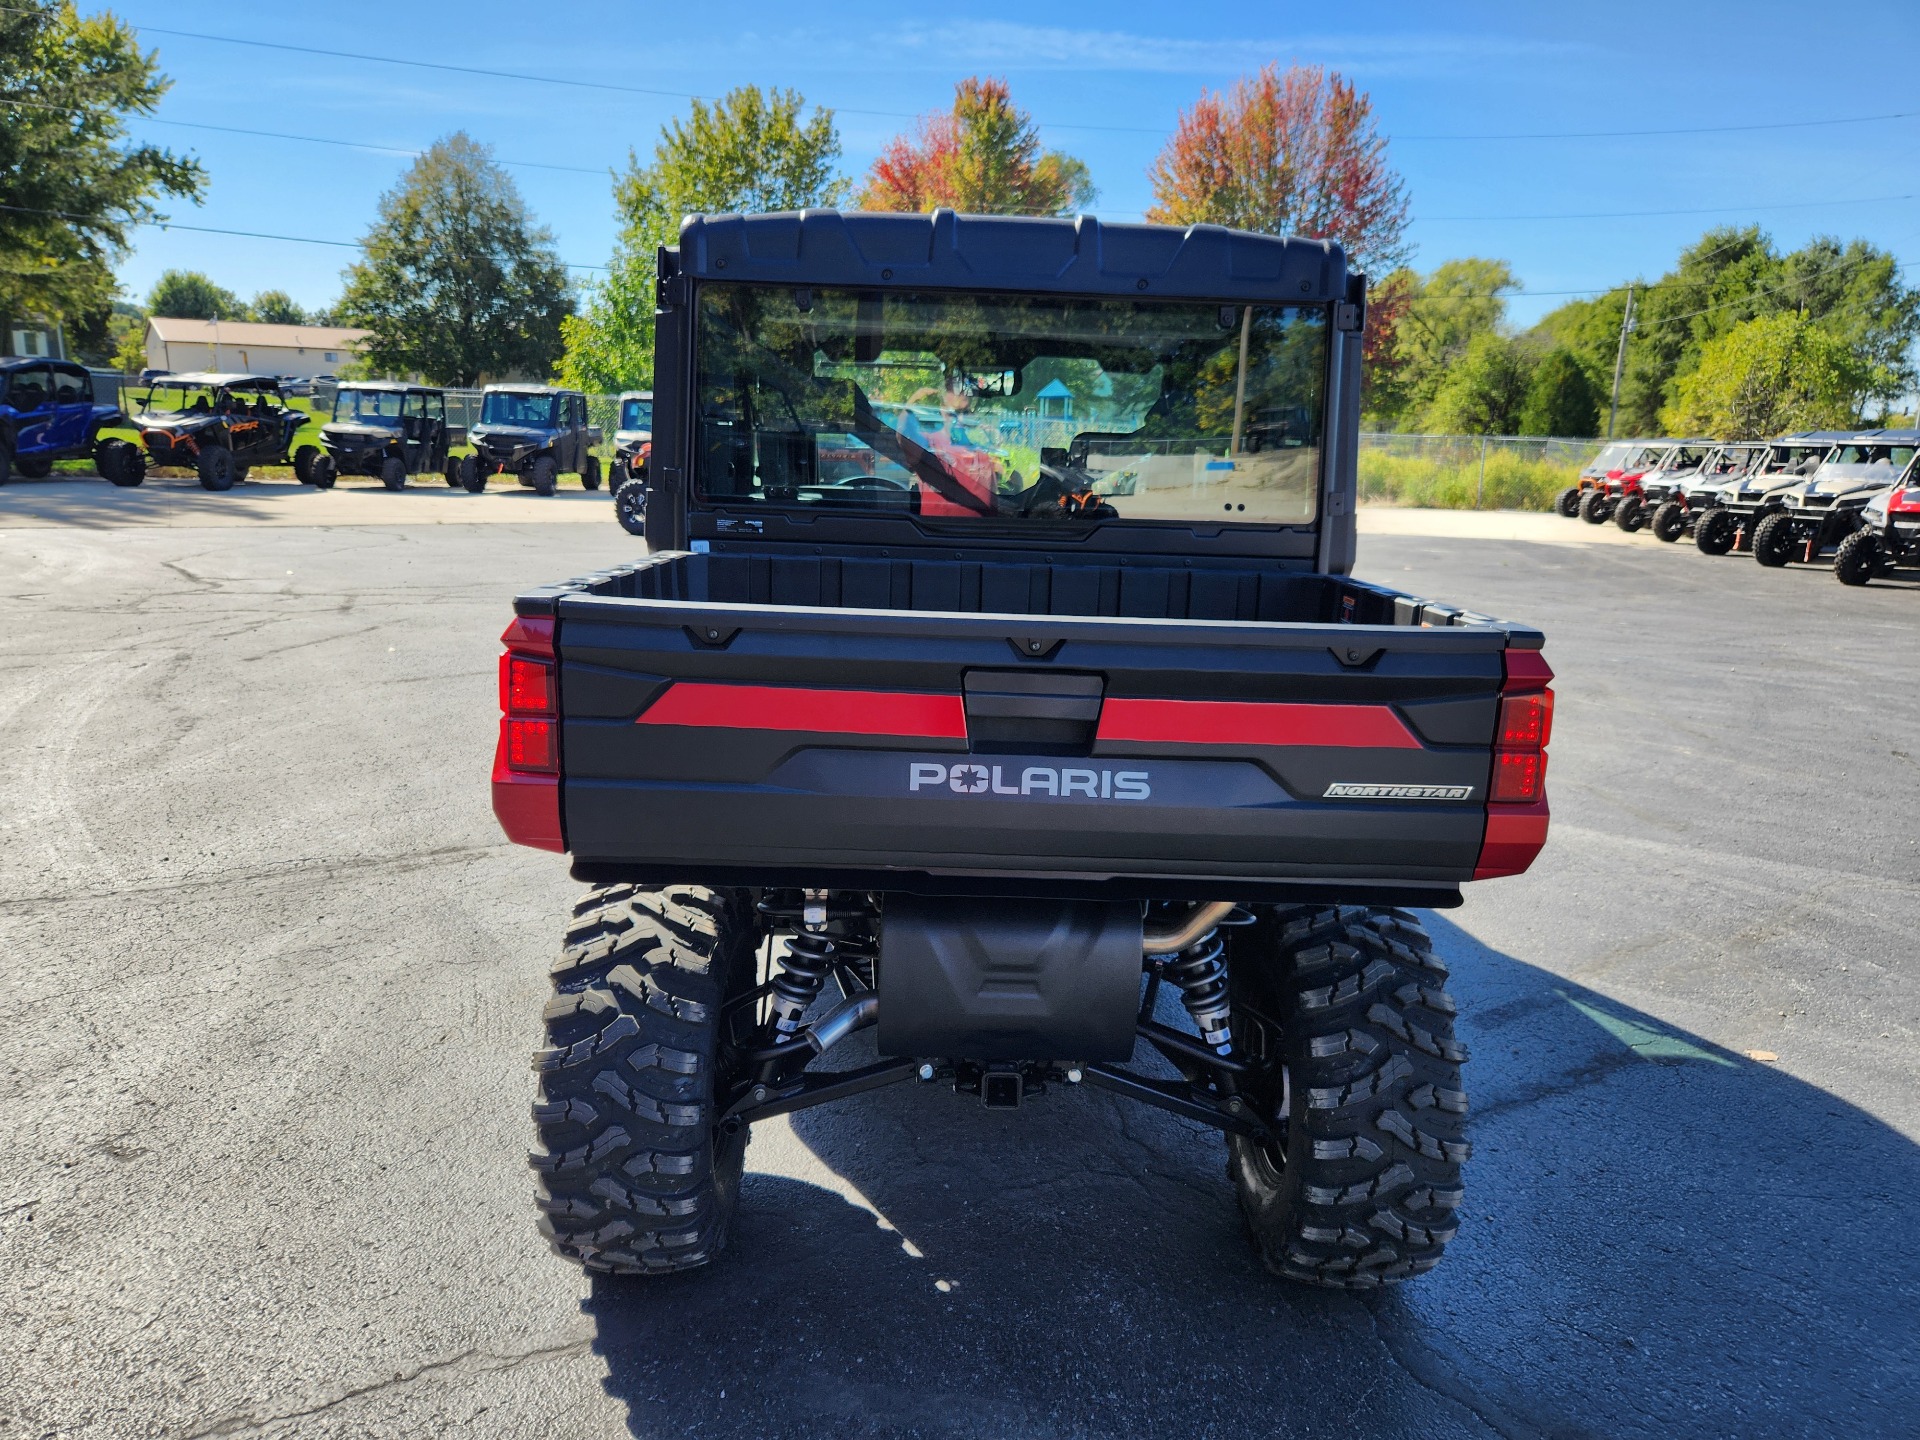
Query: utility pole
pixel 1240 384
pixel 1620 361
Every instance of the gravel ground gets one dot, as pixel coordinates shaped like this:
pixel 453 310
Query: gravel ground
pixel 269 980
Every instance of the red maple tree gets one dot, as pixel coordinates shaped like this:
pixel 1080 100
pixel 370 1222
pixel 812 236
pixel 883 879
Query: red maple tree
pixel 1292 152
pixel 983 156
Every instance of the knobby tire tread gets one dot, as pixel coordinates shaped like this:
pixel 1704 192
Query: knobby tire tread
pixel 633 1177
pixel 1375 1137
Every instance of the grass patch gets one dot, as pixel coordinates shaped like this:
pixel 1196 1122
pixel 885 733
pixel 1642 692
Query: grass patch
pixel 1513 482
pixel 307 434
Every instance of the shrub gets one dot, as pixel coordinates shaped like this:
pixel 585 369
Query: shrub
pixel 1513 482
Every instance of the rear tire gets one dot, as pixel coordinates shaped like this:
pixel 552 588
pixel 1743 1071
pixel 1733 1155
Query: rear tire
pixel 452 473
pixel 1856 559
pixel 590 472
pixel 34 467
pixel 1669 521
pixel 473 479
pixel 215 468
pixel 636 1174
pixel 1773 540
pixel 6 463
pixel 1715 532
pixel 1567 502
pixel 303 459
pixel 325 471
pixel 630 507
pixel 1595 507
pixel 1362 1186
pixel 1630 514
pixel 393 473
pixel 543 476
pixel 107 459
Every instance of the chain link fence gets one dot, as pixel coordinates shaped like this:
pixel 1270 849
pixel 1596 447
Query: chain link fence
pixel 1469 472
pixel 1452 471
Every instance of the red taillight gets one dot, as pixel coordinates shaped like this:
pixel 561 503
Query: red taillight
pixel 526 685
pixel 1516 791
pixel 1517 777
pixel 533 746
pixel 526 764
pixel 1526 721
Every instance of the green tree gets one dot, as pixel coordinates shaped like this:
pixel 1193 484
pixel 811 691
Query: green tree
pixel 189 295
pixel 71 186
pixel 457 282
pixel 1483 391
pixel 1433 320
pixel 1729 276
pixel 127 332
pixel 1560 399
pixel 1771 375
pixel 276 307
pixel 1854 290
pixel 749 152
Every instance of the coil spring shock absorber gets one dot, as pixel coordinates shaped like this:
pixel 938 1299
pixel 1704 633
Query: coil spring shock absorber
pixel 804 968
pixel 1200 971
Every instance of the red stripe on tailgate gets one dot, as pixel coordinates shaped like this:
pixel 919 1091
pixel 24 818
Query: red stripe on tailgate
pixel 1254 722
pixel 834 712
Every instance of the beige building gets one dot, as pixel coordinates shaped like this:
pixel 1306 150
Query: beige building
pixel 236 345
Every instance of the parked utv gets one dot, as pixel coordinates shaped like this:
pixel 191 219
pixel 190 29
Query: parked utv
pixel 220 426
pixel 533 432
pixel 1803 521
pixel 633 446
pixel 1889 533
pixel 1599 503
pixel 1687 497
pixel 1731 509
pixel 384 429
pixel 1612 456
pixel 1109 756
pixel 1636 498
pixel 47 413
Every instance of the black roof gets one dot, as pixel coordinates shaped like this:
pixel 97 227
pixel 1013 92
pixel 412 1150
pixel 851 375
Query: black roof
pixel 398 387
pixel 944 250
pixel 20 362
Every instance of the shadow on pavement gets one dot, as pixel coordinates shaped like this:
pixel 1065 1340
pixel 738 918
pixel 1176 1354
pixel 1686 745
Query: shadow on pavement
pixel 1660 1238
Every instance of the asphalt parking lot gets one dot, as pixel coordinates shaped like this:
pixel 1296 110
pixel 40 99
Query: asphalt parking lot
pixel 270 978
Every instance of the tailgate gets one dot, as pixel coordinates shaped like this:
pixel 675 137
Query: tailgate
pixel 788 745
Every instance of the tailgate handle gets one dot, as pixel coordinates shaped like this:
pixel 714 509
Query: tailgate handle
pixel 1025 710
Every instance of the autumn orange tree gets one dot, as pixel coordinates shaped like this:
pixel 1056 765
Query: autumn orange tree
pixel 1292 152
pixel 983 156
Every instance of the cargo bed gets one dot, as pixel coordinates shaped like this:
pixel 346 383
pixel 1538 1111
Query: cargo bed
pixel 1014 725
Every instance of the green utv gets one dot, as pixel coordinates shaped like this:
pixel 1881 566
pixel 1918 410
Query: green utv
pixel 997 715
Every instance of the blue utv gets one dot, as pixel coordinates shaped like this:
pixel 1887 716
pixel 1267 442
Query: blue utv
pixel 47 413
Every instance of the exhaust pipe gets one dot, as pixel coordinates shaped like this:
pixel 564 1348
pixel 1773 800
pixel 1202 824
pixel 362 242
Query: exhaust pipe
pixel 1172 939
pixel 850 1015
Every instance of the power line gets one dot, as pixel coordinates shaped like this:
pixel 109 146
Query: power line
pixel 1702 210
pixel 659 93
pixel 1687 130
pixel 243 234
pixel 310 139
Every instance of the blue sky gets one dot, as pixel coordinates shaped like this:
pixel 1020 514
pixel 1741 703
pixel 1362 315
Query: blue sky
pixel 1107 82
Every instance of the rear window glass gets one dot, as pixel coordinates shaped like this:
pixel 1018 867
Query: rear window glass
pixel 980 408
